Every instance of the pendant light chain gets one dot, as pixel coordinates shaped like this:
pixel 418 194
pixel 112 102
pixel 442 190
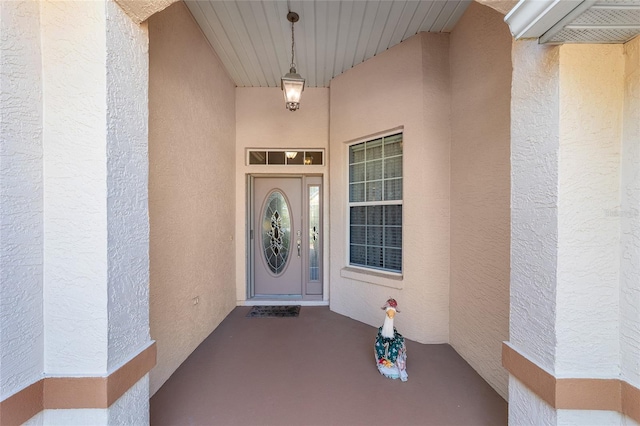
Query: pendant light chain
pixel 293 42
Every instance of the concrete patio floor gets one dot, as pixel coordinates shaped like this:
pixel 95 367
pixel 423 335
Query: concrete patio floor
pixel 318 369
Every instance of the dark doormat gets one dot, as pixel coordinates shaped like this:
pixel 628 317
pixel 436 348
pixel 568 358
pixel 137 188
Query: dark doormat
pixel 273 311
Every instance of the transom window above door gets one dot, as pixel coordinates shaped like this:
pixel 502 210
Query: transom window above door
pixel 281 157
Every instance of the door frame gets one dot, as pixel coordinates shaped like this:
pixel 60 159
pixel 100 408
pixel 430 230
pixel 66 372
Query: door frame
pixel 250 246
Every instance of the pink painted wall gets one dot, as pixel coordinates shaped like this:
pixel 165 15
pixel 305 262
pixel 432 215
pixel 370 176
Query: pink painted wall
pixel 480 191
pixel 191 189
pixel 263 120
pixel 405 87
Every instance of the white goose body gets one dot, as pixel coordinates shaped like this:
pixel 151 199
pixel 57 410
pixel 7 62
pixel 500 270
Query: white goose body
pixel 387 327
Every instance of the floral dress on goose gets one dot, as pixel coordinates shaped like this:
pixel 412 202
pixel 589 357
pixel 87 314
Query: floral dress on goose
pixel 390 349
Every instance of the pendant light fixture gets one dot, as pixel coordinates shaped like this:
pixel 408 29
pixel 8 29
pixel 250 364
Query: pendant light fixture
pixel 292 84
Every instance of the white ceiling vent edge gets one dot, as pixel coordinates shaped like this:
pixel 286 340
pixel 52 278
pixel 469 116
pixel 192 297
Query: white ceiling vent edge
pixel 575 21
pixel 603 21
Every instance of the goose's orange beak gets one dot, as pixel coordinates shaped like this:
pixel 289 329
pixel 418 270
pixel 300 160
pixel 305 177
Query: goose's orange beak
pixel 391 313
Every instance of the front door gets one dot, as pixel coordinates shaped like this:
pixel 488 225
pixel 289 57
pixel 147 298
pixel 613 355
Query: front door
pixel 285 237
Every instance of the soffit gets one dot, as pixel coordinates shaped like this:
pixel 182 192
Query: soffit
pixel 253 38
pixel 575 21
pixel 609 21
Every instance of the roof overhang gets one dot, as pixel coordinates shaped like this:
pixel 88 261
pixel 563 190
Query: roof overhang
pixel 575 21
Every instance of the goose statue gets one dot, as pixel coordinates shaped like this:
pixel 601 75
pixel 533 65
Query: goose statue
pixel 390 349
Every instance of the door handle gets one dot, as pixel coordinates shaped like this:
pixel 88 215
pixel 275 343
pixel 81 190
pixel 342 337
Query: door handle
pixel 298 248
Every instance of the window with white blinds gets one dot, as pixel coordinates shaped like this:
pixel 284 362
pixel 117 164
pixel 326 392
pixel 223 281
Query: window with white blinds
pixel 375 203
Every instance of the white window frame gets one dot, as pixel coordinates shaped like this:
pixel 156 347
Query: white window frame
pixel 304 151
pixel 371 270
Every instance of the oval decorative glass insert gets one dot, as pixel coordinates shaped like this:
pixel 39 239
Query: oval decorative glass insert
pixel 276 232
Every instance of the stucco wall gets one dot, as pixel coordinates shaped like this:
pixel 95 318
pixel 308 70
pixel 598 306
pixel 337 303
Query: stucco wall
pixel 127 61
pixel 132 407
pixel 124 411
pixel 592 418
pixel 480 185
pixel 534 230
pixel 630 219
pixel 587 294
pixel 527 408
pixel 587 322
pixel 191 189
pixel 262 121
pixel 73 139
pixel 95 71
pixel 95 208
pixel 21 198
pixel 535 127
pixel 567 124
pixel 75 202
pixel 407 85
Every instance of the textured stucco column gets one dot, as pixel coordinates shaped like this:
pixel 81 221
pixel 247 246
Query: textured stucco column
pixel 96 231
pixel 630 219
pixel 567 116
pixel 21 322
pixel 588 282
pixel 535 121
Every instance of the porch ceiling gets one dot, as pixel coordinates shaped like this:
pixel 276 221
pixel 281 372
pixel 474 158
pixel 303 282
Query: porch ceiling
pixel 253 38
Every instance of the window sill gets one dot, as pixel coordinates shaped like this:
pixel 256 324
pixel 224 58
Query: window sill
pixel 390 280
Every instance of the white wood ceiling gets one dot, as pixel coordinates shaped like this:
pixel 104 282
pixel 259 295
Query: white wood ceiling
pixel 253 37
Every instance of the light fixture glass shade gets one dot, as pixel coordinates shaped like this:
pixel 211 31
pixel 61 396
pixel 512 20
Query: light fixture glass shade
pixel 292 85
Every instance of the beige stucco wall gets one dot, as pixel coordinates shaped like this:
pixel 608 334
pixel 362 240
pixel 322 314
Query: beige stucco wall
pixel 587 288
pixel 630 219
pixel 567 212
pixel 262 121
pixel 191 189
pixel 480 191
pixel 408 86
pixel 587 299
